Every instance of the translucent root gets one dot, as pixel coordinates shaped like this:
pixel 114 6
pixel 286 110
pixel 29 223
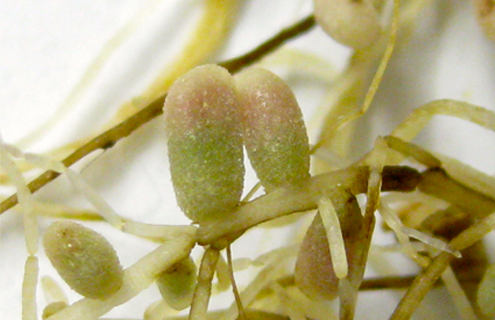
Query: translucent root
pixel 375 83
pixel 395 224
pixel 77 181
pixel 418 119
pixel 158 310
pixel 334 236
pixel 349 287
pixel 439 184
pixel 136 278
pixel 26 200
pixel 53 292
pixel 424 282
pixel 95 199
pixel 430 241
pixel 478 181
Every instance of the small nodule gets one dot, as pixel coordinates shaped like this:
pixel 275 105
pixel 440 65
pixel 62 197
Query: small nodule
pixel 177 284
pixel 352 23
pixel 84 259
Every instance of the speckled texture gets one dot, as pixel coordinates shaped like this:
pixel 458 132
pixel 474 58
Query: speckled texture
pixel 274 131
pixel 84 259
pixel 205 142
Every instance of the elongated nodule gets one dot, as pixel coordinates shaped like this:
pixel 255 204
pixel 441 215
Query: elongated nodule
pixel 274 131
pixel 352 23
pixel 202 117
pixel 84 259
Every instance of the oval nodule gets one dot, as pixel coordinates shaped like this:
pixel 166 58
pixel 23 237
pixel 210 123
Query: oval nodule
pixel 273 129
pixel 84 259
pixel 352 23
pixel 202 120
pixel 177 284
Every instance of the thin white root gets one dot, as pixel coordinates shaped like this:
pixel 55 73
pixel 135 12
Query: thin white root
pixel 430 241
pixel 29 306
pixel 334 236
pixel 395 224
pixel 77 181
pixel 95 199
pixel 26 201
pixel 136 278
pixel 161 232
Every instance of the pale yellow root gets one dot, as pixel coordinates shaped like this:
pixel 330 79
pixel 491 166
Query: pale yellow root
pixel 53 292
pixel 420 117
pixel 29 305
pixel 222 274
pixel 26 201
pixel 422 285
pixel 335 238
pixel 25 197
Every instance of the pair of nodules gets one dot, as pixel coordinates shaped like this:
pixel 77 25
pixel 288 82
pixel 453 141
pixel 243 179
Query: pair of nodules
pixel 210 115
pixel 203 114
